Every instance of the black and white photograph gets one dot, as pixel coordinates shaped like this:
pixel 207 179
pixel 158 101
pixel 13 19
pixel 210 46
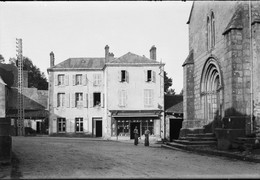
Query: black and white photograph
pixel 130 89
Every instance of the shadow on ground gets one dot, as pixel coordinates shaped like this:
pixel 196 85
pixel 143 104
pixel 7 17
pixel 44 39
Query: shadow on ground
pixel 15 172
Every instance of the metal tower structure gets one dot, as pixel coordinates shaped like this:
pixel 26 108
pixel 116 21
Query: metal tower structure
pixel 20 120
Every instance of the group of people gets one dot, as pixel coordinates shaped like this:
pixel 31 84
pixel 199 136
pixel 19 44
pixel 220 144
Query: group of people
pixel 146 133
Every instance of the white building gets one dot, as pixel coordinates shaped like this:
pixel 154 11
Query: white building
pixel 106 97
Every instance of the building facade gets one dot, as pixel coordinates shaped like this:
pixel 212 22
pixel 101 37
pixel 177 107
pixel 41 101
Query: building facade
pixel 221 72
pixel 106 97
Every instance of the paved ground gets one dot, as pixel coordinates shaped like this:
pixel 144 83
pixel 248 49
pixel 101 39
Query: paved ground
pixel 52 157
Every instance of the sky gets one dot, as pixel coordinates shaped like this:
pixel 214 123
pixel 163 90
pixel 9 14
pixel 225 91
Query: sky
pixel 83 29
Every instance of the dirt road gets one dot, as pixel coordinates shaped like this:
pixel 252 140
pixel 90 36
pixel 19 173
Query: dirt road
pixel 52 157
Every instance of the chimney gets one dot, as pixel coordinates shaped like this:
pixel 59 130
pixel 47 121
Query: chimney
pixel 153 53
pixel 51 59
pixel 106 53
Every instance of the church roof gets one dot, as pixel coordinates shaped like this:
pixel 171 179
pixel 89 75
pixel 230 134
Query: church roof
pixel 131 58
pixel 236 20
pixel 189 59
pixel 82 63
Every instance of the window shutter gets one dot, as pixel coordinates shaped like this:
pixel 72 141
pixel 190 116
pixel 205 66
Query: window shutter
pixel 73 80
pixel 119 97
pixel 102 99
pixel 73 100
pixel 99 79
pixel 127 76
pixel 91 100
pixel 84 80
pixel 85 100
pixel 67 80
pixel 154 76
pixel 94 80
pixel 125 98
pixel 68 100
pixel 119 75
pixel 145 76
pixel 55 100
pixel 152 97
pixel 56 80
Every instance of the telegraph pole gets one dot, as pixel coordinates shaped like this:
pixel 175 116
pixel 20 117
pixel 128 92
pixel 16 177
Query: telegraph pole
pixel 20 120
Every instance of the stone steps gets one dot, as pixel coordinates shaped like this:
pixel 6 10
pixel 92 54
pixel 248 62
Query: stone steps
pixel 203 135
pixel 197 142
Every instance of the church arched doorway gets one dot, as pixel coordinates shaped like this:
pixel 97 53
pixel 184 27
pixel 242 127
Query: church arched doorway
pixel 211 94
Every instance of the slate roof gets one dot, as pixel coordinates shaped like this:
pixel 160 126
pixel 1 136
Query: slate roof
pixel 131 58
pixel 189 59
pixel 9 73
pixel 82 63
pixel 236 20
pixel 177 108
pixel 173 103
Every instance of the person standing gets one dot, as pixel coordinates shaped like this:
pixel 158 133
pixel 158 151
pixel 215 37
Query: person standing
pixel 136 135
pixel 146 133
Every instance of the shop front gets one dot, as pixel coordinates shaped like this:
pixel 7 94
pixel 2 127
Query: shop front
pixel 124 122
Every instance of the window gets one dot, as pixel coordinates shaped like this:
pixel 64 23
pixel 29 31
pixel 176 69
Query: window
pixel 97 79
pixel 79 124
pixel 97 99
pixel 61 79
pixel 149 124
pixel 122 98
pixel 124 76
pixel 79 99
pixel 148 97
pixel 78 79
pixel 123 128
pixel 149 75
pixel 210 31
pixel 61 100
pixel 61 125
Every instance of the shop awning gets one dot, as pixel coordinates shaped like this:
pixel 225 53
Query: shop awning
pixel 141 113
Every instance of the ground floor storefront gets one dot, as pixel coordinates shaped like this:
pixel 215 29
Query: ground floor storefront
pixel 123 124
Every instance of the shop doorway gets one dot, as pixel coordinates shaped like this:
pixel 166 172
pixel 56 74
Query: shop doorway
pixel 175 127
pixel 99 128
pixel 133 125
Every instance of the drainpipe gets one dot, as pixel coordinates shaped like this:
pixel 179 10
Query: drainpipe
pixel 252 65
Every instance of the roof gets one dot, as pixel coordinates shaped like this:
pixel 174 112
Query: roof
pixel 188 22
pixel 173 103
pixel 189 59
pixel 30 114
pixel 236 21
pixel 131 58
pixel 8 73
pixel 82 63
pixel 177 108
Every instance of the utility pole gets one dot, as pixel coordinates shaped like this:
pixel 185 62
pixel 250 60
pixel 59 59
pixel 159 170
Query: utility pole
pixel 20 120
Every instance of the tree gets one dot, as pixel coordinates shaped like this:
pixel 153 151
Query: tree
pixel 181 93
pixel 168 84
pixel 36 78
pixel 2 59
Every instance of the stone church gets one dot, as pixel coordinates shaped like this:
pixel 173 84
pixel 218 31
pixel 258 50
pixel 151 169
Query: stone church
pixel 222 70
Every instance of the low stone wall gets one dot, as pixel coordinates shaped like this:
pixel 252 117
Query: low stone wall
pixel 5 140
